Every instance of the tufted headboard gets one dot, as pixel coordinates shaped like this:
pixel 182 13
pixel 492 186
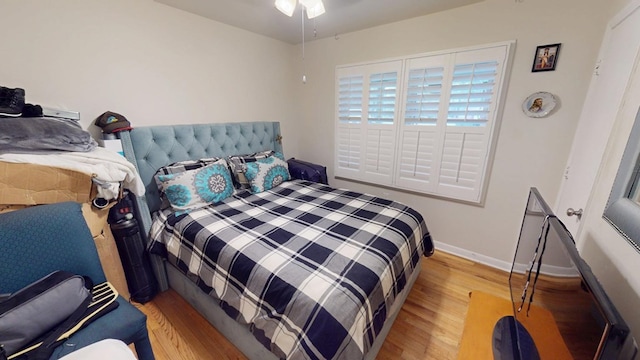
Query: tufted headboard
pixel 149 148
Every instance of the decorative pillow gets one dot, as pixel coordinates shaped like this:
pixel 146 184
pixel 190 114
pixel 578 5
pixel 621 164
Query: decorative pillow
pixel 265 174
pixel 238 166
pixel 193 189
pixel 182 166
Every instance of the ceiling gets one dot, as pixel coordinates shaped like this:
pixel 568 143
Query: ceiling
pixel 342 16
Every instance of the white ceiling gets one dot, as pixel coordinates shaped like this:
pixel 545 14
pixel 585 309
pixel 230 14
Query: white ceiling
pixel 342 16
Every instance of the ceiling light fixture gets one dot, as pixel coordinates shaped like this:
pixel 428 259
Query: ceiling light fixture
pixel 314 7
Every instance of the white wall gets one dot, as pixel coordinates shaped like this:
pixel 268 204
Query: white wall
pixel 149 62
pixel 530 152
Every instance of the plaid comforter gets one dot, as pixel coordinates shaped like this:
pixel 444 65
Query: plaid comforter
pixel 312 269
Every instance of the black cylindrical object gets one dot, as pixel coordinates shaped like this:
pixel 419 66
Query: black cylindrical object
pixel 135 260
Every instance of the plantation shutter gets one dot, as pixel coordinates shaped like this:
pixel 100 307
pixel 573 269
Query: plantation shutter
pixel 425 123
pixel 381 116
pixel 367 109
pixel 419 142
pixel 350 85
pixel 471 118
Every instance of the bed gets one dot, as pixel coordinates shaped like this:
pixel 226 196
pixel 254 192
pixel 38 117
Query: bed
pixel 299 271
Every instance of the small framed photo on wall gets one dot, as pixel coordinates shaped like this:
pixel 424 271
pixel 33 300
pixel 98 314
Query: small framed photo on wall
pixel 546 58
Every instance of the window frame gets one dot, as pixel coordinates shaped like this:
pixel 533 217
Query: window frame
pixel 487 134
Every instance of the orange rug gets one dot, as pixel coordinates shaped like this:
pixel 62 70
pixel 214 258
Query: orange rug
pixel 485 310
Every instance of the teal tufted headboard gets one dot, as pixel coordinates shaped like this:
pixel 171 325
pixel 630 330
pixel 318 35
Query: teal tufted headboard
pixel 149 148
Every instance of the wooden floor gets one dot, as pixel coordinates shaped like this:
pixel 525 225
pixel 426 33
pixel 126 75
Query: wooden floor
pixel 429 326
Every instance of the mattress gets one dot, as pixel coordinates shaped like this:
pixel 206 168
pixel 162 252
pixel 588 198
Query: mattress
pixel 313 270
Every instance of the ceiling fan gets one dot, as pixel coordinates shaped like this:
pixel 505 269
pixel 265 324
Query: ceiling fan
pixel 314 7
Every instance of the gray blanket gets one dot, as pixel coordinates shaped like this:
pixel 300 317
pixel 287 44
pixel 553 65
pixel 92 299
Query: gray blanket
pixel 43 134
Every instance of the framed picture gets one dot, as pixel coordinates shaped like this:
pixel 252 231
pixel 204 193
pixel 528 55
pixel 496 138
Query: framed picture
pixel 546 58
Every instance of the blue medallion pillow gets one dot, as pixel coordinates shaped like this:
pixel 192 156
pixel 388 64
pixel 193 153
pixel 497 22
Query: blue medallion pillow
pixel 176 168
pixel 193 189
pixel 267 173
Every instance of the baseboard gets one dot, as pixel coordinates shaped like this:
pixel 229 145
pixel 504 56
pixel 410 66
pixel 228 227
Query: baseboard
pixel 470 255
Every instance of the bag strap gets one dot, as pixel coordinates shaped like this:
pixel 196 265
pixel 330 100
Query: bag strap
pixel 102 300
pixel 44 351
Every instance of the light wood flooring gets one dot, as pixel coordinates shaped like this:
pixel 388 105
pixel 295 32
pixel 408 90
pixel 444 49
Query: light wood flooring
pixel 429 326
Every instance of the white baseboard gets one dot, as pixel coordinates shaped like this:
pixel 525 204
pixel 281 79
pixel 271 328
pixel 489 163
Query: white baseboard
pixel 470 255
pixel 504 265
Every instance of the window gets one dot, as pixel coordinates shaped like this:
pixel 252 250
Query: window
pixel 423 123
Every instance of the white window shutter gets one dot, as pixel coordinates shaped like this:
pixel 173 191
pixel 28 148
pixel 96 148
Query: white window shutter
pixel 471 121
pixel 472 88
pixel 424 81
pixel 367 99
pixel 461 165
pixel 383 88
pixel 350 92
pixel 349 142
pixel 382 112
pixel 441 139
pixel 419 141
pixel 379 154
pixel 417 154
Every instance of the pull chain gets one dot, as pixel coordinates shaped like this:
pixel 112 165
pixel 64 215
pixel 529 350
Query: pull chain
pixel 304 76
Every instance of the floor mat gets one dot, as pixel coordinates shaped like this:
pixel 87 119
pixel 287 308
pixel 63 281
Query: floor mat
pixel 483 313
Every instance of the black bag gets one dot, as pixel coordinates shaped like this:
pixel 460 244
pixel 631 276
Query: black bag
pixel 35 319
pixel 304 170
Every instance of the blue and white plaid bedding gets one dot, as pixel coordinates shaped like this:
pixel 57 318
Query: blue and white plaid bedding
pixel 314 270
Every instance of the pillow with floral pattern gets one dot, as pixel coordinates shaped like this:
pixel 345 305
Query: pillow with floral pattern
pixel 193 189
pixel 179 167
pixel 265 174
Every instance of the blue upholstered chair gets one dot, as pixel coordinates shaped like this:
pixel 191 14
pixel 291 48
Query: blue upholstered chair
pixel 38 240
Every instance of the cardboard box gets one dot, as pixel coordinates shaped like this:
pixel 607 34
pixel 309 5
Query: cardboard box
pixel 31 184
pixel 106 245
pixel 23 185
